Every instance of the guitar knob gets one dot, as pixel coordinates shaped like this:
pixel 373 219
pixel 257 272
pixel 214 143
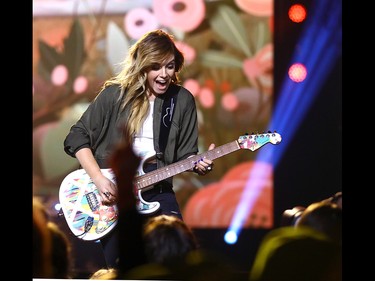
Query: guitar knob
pixel 60 213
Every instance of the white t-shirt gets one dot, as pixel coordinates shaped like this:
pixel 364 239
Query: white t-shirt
pixel 143 143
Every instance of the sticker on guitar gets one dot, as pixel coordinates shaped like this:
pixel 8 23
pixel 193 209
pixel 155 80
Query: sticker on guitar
pixel 89 219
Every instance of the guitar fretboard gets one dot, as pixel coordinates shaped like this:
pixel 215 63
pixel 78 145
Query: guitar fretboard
pixel 183 165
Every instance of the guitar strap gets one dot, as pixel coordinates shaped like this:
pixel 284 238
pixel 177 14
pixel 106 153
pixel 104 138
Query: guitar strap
pixel 167 115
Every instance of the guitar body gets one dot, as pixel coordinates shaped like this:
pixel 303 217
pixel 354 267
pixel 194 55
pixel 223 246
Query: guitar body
pixel 89 219
pixel 80 202
pixel 86 216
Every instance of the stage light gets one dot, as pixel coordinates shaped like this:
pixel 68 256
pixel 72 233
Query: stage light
pixel 297 72
pixel 230 237
pixel 297 13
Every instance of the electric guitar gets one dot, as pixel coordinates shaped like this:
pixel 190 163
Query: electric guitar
pixel 90 220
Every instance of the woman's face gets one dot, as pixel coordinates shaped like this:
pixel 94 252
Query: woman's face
pixel 160 76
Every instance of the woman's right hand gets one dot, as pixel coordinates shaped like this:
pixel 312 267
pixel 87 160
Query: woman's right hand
pixel 107 190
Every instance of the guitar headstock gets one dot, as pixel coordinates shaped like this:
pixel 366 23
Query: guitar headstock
pixel 255 141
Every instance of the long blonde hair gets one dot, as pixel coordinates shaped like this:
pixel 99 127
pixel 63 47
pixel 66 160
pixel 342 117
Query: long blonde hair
pixel 152 48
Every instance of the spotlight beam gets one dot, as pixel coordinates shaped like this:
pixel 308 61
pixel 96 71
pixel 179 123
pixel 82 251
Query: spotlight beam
pixel 319 47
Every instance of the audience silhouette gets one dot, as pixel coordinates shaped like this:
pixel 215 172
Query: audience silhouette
pixel 292 253
pixel 325 217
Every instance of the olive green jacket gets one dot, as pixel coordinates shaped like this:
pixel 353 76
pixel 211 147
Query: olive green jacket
pixel 99 128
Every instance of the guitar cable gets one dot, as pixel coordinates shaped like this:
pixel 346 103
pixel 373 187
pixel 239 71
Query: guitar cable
pixel 88 224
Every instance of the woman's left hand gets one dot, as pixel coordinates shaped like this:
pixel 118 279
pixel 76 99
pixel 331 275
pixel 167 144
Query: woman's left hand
pixel 204 166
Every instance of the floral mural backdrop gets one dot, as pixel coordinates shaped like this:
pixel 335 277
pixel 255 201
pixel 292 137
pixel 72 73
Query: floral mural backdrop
pixel 228 49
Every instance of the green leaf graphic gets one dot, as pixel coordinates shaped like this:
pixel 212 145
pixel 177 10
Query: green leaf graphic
pixel 228 25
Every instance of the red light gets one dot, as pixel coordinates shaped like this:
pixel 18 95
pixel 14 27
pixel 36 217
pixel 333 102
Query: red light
pixel 297 13
pixel 297 72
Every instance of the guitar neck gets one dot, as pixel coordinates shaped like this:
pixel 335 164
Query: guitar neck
pixel 160 174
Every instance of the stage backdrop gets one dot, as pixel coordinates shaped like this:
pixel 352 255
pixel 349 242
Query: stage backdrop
pixel 228 48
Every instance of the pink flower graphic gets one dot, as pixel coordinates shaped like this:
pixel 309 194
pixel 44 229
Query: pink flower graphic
pixel 187 50
pixel 260 8
pixel 260 66
pixel 184 15
pixel 138 21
